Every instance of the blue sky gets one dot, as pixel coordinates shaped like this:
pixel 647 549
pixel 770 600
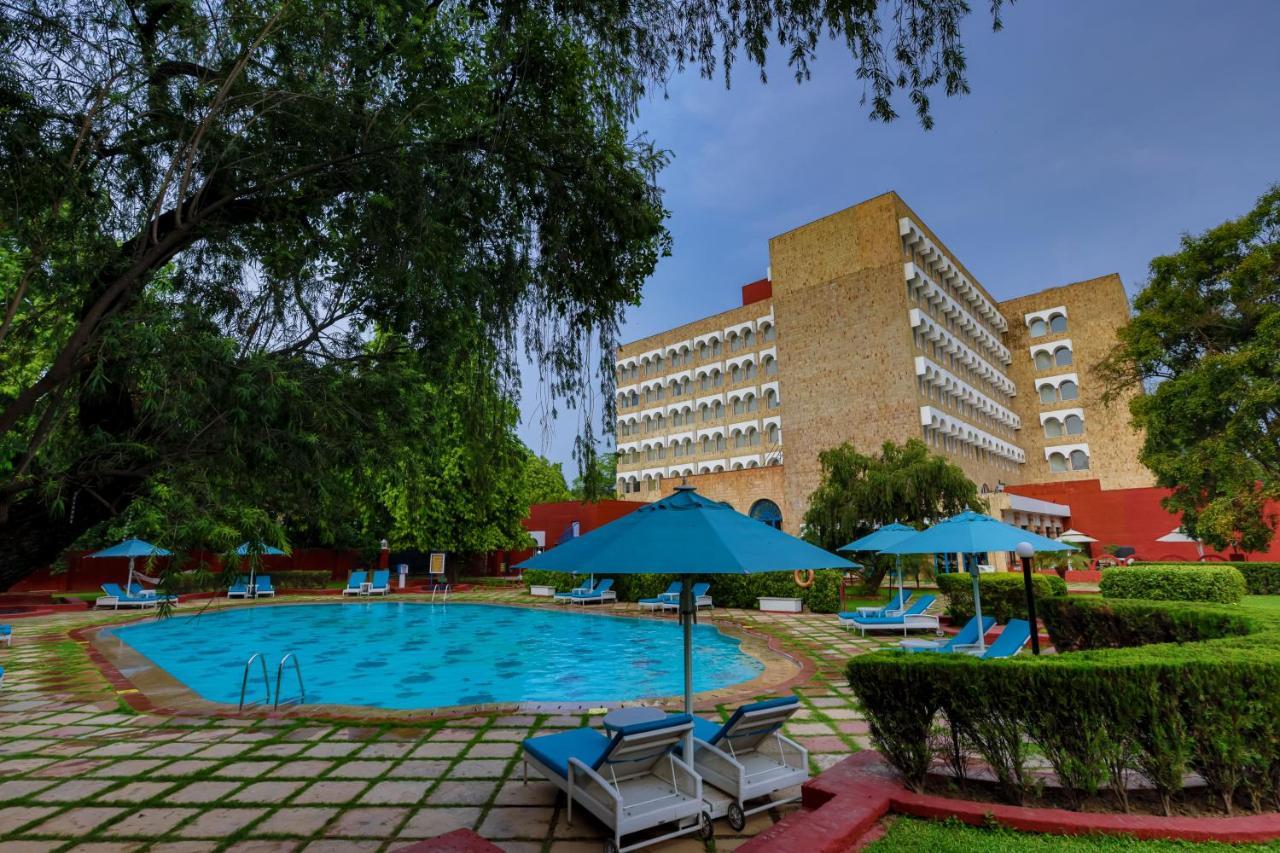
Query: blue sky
pixel 1095 134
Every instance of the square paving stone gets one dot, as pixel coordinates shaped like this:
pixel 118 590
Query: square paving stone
pixel 149 823
pixel 415 769
pixel 32 846
pixel 133 767
pixel 300 769
pixel 187 767
pixel 336 845
pixel 135 792
pixel 74 767
pixel 202 792
pixel 16 789
pixel 478 768
pixel 224 750
pixel 173 750
pixel 497 734
pixel 263 845
pixel 266 792
pixel 245 769
pixel 537 793
pixel 453 735
pixel 395 793
pixel 332 749
pixel 75 791
pixel 497 749
pixel 280 749
pixel 219 823
pixel 295 821
pixel 462 793
pixel 307 734
pixel 77 822
pixel 368 823
pixel 330 792
pixel 439 750
pixel 430 822
pixel 184 847
pixel 360 770
pixel 516 822
pixel 386 750
pixel 108 847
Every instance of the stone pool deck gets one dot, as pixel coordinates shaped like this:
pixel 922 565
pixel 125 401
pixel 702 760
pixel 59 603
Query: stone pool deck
pixel 81 770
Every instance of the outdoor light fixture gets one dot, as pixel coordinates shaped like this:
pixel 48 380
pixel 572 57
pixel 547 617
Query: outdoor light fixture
pixel 1025 552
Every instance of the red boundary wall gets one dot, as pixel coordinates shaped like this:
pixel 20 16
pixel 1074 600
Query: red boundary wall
pixel 553 518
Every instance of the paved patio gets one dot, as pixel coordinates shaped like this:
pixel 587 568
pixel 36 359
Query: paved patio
pixel 79 769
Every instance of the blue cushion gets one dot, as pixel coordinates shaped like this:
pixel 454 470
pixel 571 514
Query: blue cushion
pixel 5 629
pixel 586 745
pixel 705 729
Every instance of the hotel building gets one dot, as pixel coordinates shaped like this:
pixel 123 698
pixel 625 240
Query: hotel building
pixel 870 329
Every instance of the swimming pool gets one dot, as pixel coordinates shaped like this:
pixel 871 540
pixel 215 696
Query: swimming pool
pixel 401 655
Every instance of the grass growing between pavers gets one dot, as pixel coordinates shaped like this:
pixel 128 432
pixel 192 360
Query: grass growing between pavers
pixel 909 835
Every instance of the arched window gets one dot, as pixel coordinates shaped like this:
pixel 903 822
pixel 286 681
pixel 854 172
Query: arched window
pixel 1062 356
pixel 773 460
pixel 739 407
pixel 775 434
pixel 1052 428
pixel 1079 460
pixel 1075 425
pixel 1048 394
pixel 753 437
pixel 772 399
pixel 737 466
pixel 1043 360
pixel 706 444
pixel 704 381
pixel 739 438
pixel 770 332
pixel 1058 323
pixel 735 376
pixel 752 403
pixel 1039 327
pixel 735 342
pixel 718 409
pixel 717 378
pixel 750 371
pixel 1068 390
pixel 715 347
pixel 770 366
pixel 748 338
pixel 721 444
pixel 703 350
pixel 718 469
pixel 704 412
pixel 767 512
pixel 1057 463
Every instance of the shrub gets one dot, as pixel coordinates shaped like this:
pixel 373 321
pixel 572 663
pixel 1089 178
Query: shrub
pixel 1259 578
pixel 300 579
pixel 1079 624
pixel 1003 593
pixel 1204 707
pixel 1222 584
pixel 739 591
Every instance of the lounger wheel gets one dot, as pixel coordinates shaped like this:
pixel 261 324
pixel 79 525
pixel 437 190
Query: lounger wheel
pixel 737 819
pixel 705 828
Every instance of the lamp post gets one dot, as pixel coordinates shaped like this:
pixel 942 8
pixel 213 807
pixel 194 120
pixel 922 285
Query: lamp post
pixel 1025 552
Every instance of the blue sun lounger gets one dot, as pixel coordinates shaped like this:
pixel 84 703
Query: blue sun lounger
pixel 963 641
pixel 700 598
pixel 671 596
pixel 239 589
pixel 632 781
pixel 913 618
pixel 6 635
pixel 262 586
pixel 748 759
pixel 896 605
pixel 355 584
pixel 381 583
pixel 599 595
pixel 1016 634
pixel 115 598
pixel 581 589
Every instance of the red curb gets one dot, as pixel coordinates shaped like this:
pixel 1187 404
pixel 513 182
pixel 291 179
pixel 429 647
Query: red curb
pixel 843 805
pixel 458 841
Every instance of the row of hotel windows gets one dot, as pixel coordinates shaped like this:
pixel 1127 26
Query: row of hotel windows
pixel 711 349
pixel 940 356
pixel 950 289
pixel 1055 323
pixel 1060 357
pixel 631 485
pixel 1066 390
pixel 1076 460
pixel 947 321
pixel 749 437
pixel 962 408
pixel 1070 425
pixel 953 445
pixel 743 405
pixel 744 372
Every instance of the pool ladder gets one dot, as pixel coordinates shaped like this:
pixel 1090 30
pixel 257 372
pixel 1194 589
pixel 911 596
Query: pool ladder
pixel 443 589
pixel 266 681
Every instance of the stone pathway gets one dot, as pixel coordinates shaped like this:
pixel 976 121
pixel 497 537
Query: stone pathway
pixel 80 770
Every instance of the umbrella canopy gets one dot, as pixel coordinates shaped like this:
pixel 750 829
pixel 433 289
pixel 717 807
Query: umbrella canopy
pixel 132 548
pixel 1177 534
pixel 685 534
pixel 878 540
pixel 1075 537
pixel 258 548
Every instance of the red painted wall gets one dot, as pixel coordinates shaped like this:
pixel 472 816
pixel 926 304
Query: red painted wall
pixel 757 291
pixel 553 518
pixel 1129 517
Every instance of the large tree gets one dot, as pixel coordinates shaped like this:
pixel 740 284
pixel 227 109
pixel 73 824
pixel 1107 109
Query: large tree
pixel 1204 344
pixel 903 483
pixel 295 178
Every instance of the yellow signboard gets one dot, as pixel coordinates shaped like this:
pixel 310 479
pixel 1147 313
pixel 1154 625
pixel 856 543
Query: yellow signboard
pixel 436 564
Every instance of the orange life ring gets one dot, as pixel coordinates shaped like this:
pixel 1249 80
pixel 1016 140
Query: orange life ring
pixel 803 578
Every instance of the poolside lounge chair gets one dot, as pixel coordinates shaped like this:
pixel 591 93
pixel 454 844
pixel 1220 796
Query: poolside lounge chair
pixel 115 598
pixel 262 586
pixel 700 598
pixel 672 595
pixel 599 595
pixel 1016 634
pixel 355 584
pixel 581 589
pixel 6 635
pixel 239 589
pixel 137 590
pixel 381 583
pixel 913 618
pixel 748 759
pixel 965 639
pixel 1 676
pixel 896 605
pixel 631 782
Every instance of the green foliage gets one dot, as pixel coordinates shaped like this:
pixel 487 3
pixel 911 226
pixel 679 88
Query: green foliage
pixel 1222 584
pixel 1004 594
pixel 1163 710
pixel 904 483
pixel 1259 578
pixel 597 478
pixel 544 480
pixel 1079 624
pixel 1203 341
pixel 739 591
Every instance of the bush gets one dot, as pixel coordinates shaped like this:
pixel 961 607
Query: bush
pixel 1222 584
pixel 1096 716
pixel 1259 578
pixel 1003 593
pixel 299 579
pixel 1080 624
pixel 181 583
pixel 740 591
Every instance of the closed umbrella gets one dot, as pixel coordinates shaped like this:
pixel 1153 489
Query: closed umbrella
pixel 261 550
pixel 973 533
pixel 685 534
pixel 133 548
pixel 878 540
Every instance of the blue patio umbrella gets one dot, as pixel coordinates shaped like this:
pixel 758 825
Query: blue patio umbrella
pixel 973 533
pixel 262 550
pixel 878 540
pixel 685 534
pixel 133 548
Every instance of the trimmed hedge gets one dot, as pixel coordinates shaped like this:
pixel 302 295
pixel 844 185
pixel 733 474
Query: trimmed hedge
pixel 1080 624
pixel 179 583
pixel 1222 584
pixel 739 591
pixel 1097 717
pixel 1004 595
pixel 1259 578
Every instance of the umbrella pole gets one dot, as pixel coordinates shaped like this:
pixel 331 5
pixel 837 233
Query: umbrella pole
pixel 686 619
pixel 977 604
pixel 128 585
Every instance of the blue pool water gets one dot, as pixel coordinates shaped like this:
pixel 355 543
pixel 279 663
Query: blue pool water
pixel 406 655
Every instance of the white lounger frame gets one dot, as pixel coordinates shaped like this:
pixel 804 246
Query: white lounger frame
pixel 667 791
pixel 115 603
pixel 919 622
pixel 774 764
pixel 596 598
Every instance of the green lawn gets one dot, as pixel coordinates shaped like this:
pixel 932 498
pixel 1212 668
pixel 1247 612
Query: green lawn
pixel 908 835
pixel 1269 604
